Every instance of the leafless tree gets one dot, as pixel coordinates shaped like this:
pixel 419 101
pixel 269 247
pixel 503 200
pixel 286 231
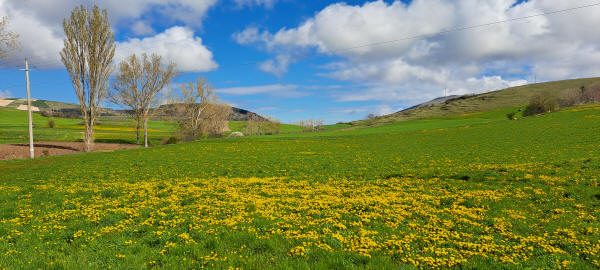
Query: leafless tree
pixel 254 125
pixel 214 121
pixel 272 125
pixel 311 125
pixel 199 111
pixel 9 40
pixel 89 50
pixel 137 86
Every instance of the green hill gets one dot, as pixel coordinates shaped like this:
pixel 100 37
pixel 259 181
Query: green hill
pixel 501 99
pixel 72 110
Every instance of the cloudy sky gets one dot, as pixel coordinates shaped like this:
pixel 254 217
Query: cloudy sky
pixel 324 59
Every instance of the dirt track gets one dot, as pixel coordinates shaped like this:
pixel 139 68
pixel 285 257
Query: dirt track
pixel 21 150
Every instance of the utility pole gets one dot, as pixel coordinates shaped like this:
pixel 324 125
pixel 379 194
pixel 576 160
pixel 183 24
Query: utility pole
pixel 446 89
pixel 31 151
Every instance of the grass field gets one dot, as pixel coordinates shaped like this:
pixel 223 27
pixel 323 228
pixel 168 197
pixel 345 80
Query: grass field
pixel 474 191
pixel 13 129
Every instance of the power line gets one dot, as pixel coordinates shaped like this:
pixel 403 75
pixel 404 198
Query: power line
pixel 464 28
pixel 49 64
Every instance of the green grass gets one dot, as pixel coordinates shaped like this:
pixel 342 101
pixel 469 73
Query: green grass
pixel 240 126
pixel 431 191
pixel 13 129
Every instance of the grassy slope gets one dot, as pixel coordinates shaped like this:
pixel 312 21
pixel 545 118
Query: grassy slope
pixel 13 129
pixel 501 99
pixel 526 191
pixel 284 129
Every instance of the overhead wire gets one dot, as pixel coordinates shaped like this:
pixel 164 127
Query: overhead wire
pixel 50 64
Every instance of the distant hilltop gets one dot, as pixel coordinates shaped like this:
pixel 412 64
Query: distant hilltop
pixel 71 110
pixel 474 103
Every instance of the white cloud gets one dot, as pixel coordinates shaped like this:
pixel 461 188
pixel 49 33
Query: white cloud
pixel 558 46
pixel 251 3
pixel 363 111
pixel 39 22
pixel 283 90
pixel 5 94
pixel 383 109
pixel 277 66
pixel 415 91
pixel 177 44
pixel 250 35
pixel 53 12
pixel 141 28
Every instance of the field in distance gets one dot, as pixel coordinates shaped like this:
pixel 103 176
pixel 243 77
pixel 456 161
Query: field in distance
pixel 13 128
pixel 472 191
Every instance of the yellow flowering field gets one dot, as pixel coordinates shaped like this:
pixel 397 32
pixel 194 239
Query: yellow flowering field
pixel 429 223
pixel 494 195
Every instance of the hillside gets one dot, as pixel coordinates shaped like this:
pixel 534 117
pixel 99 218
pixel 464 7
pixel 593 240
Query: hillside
pixel 72 110
pixel 500 99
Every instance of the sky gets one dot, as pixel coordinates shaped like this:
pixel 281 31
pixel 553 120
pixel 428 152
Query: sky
pixel 329 60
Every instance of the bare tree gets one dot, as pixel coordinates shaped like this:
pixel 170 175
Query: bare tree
pixel 137 86
pixel 191 107
pixel 87 56
pixel 272 125
pixel 311 125
pixel 254 125
pixel 214 121
pixel 9 40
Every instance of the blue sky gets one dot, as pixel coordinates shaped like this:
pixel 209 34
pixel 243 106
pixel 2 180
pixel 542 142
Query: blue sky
pixel 285 58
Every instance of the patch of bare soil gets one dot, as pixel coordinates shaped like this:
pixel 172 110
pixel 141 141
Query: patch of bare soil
pixel 21 150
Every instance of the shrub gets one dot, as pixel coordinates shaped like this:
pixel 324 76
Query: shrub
pixel 51 123
pixel 511 116
pixel 170 140
pixel 570 97
pixel 592 94
pixel 311 125
pixel 541 103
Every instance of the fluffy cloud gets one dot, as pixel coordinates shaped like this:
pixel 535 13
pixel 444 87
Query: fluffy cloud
pixel 557 46
pixel 141 28
pixel 176 44
pixel 282 90
pixel 415 91
pixel 41 20
pixel 251 3
pixel 277 66
pixel 52 12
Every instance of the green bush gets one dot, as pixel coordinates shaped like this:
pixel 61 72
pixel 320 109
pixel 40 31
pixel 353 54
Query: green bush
pixel 541 103
pixel 170 140
pixel 511 116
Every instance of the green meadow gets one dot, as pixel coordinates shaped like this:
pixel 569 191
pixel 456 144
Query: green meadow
pixel 13 128
pixel 475 191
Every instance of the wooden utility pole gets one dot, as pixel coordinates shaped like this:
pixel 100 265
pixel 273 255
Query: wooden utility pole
pixel 31 151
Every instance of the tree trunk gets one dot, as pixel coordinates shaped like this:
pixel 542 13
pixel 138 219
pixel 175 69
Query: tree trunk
pixel 145 132
pixel 88 137
pixel 138 131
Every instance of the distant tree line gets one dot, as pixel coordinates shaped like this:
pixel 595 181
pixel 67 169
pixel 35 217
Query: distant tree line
pixel 547 101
